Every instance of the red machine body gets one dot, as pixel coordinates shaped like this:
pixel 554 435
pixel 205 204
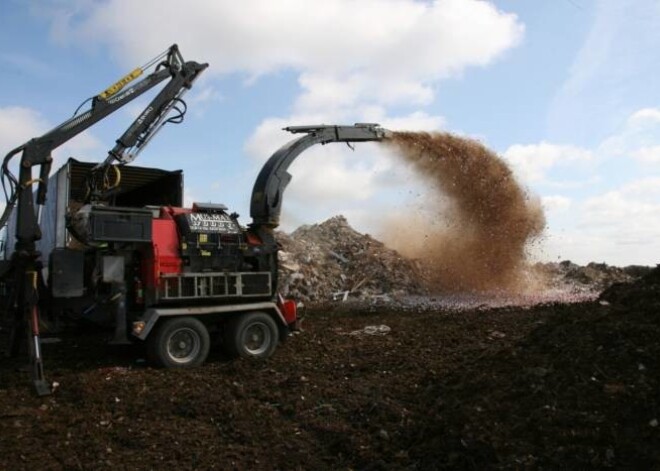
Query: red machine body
pixel 163 254
pixel 202 254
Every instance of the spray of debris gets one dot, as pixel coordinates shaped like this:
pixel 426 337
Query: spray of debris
pixel 482 221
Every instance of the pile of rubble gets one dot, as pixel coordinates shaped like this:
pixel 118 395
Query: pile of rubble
pixel 593 277
pixel 332 261
pixel 643 292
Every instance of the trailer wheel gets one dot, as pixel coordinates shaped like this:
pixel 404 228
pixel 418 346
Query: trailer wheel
pixel 179 343
pixel 252 335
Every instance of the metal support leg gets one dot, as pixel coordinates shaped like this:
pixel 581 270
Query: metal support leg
pixel 34 340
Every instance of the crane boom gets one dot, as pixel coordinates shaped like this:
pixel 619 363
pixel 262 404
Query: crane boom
pixel 25 264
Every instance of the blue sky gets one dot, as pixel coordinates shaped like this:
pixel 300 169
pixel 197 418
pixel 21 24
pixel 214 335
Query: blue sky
pixel 563 90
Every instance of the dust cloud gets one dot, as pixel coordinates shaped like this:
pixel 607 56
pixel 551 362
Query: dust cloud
pixel 478 222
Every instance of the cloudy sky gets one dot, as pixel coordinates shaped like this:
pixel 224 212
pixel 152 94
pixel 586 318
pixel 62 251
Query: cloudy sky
pixel 565 90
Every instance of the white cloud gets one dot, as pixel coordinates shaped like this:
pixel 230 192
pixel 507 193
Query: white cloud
pixel 533 162
pixel 626 221
pixel 556 203
pixel 18 125
pixel 206 94
pixel 645 116
pixel 269 136
pixel 639 138
pixel 650 155
pixel 425 39
pixel 616 218
pixel 644 189
pixel 328 175
pixel 322 91
pixel 380 51
pixel 615 227
pixel 621 208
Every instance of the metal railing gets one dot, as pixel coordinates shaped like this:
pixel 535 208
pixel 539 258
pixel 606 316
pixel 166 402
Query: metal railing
pixel 214 285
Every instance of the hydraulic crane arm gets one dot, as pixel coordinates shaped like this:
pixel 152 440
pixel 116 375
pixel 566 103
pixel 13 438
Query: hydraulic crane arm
pixel 266 202
pixel 154 116
pixel 25 261
pixel 149 122
pixel 37 152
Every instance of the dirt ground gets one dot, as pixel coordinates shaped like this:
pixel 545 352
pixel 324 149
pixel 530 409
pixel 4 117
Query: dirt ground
pixel 555 386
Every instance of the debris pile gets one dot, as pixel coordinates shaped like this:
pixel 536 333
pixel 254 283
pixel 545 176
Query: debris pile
pixel 332 261
pixel 644 291
pixel 593 277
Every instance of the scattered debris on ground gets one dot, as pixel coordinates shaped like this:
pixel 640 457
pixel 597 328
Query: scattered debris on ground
pixel 573 386
pixel 594 277
pixel 372 330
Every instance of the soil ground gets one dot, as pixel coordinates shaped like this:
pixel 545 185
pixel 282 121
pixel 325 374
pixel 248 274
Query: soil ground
pixel 555 386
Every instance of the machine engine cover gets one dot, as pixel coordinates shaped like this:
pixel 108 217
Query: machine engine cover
pixel 211 240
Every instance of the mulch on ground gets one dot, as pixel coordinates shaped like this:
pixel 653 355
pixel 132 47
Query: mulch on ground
pixel 556 386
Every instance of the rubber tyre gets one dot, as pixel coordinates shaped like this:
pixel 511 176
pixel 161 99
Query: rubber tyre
pixel 181 342
pixel 252 335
